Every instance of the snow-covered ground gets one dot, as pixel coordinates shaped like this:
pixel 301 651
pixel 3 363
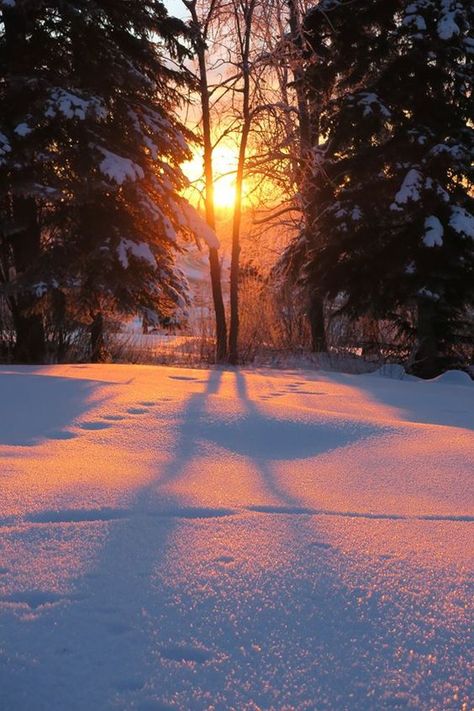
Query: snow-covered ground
pixel 221 540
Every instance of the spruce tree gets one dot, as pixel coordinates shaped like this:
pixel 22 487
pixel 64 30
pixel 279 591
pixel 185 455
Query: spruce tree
pixel 393 229
pixel 91 143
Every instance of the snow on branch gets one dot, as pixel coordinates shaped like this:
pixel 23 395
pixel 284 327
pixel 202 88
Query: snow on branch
pixel 139 250
pixel 409 189
pixel 434 232
pixel 447 26
pixel 23 130
pixel 119 169
pixel 190 220
pixel 368 100
pixel 5 147
pixel 462 221
pixel 72 106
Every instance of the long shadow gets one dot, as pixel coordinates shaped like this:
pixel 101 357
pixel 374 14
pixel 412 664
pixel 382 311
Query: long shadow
pixel 110 627
pixel 41 406
pixel 134 631
pixel 438 403
pixel 189 429
pixel 270 439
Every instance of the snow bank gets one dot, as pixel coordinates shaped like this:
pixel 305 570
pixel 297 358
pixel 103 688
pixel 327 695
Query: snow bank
pixel 454 377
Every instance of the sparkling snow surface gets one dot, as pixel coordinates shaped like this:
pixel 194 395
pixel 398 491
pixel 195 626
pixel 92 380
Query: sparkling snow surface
pixel 233 540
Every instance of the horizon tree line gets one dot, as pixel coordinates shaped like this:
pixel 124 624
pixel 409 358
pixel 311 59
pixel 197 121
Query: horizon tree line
pixel 359 115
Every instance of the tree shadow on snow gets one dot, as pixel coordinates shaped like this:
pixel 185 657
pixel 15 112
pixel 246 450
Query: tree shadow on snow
pixel 136 637
pixel 41 406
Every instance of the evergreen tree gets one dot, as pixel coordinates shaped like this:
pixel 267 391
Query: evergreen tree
pixel 393 230
pixel 89 158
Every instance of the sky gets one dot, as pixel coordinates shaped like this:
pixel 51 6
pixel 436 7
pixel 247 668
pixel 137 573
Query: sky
pixel 176 8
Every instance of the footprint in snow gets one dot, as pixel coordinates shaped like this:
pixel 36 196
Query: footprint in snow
pixel 62 435
pixel 185 377
pixel 226 559
pixel 184 653
pixel 95 425
pixel 321 544
pixel 137 411
pixel 77 515
pixel 114 418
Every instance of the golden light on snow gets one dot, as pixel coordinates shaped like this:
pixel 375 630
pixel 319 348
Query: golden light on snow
pixel 164 524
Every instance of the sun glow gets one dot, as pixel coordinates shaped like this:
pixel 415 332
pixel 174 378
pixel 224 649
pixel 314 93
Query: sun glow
pixel 225 166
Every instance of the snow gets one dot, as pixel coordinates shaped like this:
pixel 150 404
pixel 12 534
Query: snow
pixel 23 130
pixel 368 100
pixel 462 221
pixel 191 220
pixel 139 250
pixel 434 185
pixel 434 232
pixel 454 377
pixel 409 189
pixel 413 19
pixel 5 147
pixel 119 169
pixel 456 151
pixel 230 539
pixel 72 106
pixel 428 294
pixel 447 26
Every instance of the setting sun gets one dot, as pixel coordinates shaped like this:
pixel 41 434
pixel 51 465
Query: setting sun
pixel 225 165
pixel 224 191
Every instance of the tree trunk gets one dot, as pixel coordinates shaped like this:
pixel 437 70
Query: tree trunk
pixel 58 308
pixel 237 217
pixel 214 265
pixel 30 342
pixel 97 342
pixel 29 334
pixel 219 309
pixel 317 324
pixel 305 121
pixel 425 361
pixel 235 256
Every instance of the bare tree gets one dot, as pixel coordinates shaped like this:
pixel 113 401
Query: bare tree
pixel 251 67
pixel 243 17
pixel 201 28
pixel 284 137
